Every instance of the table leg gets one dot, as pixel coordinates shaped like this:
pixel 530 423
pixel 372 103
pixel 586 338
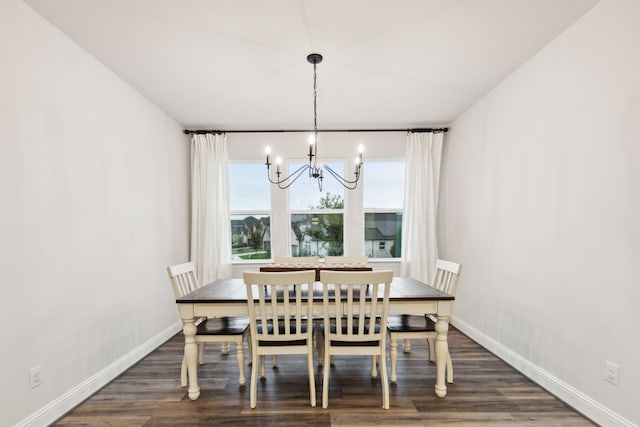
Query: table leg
pixel 191 355
pixel 442 350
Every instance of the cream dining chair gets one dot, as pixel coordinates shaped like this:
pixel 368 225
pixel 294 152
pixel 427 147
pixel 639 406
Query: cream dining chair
pixel 302 261
pixel 356 305
pixel 280 320
pixel 341 260
pixel 445 279
pixel 220 329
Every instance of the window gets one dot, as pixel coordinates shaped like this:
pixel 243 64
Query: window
pixel 307 222
pixel 383 197
pixel 250 209
pixel 317 218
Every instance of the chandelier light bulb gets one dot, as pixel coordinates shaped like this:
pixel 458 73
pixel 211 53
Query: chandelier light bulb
pixel 267 151
pixel 312 140
pixel 360 148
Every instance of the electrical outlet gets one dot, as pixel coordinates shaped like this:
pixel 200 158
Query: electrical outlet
pixel 35 376
pixel 612 372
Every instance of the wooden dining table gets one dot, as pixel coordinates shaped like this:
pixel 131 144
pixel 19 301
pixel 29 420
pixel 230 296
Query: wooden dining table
pixel 228 297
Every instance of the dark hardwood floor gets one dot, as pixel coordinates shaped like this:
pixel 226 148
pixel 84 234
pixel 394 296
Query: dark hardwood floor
pixel 486 392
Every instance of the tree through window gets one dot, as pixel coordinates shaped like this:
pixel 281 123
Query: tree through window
pixel 321 230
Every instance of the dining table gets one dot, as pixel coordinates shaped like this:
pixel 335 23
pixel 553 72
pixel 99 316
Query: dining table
pixel 228 297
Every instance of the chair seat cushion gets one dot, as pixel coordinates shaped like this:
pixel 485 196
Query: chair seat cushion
pixel 355 329
pixel 223 326
pixel 336 343
pixel 281 328
pixel 407 323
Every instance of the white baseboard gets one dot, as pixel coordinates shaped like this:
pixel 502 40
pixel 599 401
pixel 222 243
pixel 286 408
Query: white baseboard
pixel 573 397
pixel 63 404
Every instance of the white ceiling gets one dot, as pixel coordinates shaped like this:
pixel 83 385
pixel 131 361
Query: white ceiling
pixel 241 64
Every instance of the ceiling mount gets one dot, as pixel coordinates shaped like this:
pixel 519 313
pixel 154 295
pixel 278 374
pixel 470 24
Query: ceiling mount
pixel 314 58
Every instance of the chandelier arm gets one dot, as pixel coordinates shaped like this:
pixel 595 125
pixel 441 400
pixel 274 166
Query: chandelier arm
pixel 280 181
pixel 350 185
pixel 292 177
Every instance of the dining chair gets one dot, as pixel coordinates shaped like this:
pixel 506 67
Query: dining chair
pixel 355 260
pixel 305 260
pixel 355 306
pixel 445 279
pixel 340 260
pixel 219 329
pixel 280 320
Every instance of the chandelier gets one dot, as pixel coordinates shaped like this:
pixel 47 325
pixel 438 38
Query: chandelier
pixel 312 167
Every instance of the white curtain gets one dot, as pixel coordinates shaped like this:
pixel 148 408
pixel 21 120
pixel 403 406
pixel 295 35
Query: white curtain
pixel 422 178
pixel 210 221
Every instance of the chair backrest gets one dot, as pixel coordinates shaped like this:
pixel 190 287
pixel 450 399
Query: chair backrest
pixel 445 276
pixel 296 260
pixel 359 260
pixel 183 278
pixel 278 306
pixel 353 303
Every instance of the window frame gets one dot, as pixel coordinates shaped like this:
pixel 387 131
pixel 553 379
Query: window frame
pixel 280 212
pixel 392 210
pixel 345 194
pixel 251 212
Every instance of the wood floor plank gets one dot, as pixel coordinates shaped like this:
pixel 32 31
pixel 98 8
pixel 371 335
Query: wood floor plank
pixel 486 392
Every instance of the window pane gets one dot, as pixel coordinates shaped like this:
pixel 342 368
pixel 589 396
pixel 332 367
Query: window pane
pixel 304 193
pixel 316 234
pixel 250 237
pixel 249 188
pixel 383 185
pixel 382 234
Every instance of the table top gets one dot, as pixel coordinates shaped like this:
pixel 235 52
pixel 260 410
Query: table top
pixel 234 290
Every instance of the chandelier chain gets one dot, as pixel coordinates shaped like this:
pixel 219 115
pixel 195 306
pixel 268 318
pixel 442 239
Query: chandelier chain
pixel 315 101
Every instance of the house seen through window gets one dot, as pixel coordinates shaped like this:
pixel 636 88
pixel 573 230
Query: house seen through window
pixel 317 218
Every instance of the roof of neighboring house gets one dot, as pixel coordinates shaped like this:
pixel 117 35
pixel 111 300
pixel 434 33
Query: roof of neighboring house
pixel 376 234
pixel 383 226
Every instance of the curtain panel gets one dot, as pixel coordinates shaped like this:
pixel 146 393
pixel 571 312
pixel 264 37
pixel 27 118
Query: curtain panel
pixel 422 179
pixel 210 220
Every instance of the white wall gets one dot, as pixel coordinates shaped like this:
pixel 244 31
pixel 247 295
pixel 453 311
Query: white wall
pixel 332 146
pixel 541 204
pixel 94 194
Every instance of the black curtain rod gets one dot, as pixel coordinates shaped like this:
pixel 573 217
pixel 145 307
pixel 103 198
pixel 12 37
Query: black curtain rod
pixel 203 132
